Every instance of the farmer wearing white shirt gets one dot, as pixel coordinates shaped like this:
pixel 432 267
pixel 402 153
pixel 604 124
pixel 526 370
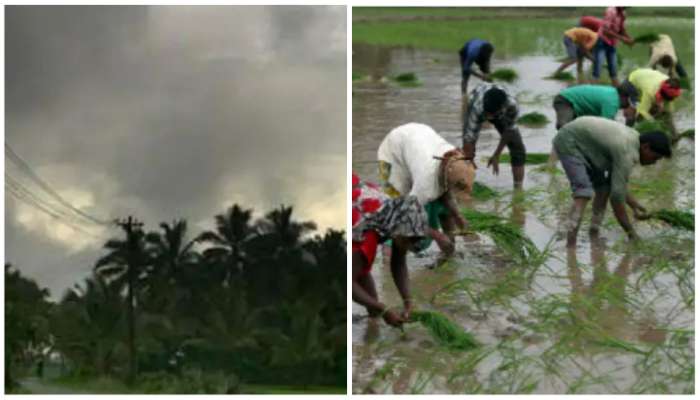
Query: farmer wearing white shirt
pixel 416 160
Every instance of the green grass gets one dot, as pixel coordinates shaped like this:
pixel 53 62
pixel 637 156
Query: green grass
pixel 530 158
pixel 281 389
pixel 533 119
pixel 445 332
pixel 504 74
pixel 562 76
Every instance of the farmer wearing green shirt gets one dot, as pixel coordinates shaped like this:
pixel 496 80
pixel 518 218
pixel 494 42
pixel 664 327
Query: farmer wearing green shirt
pixel 598 155
pixel 593 100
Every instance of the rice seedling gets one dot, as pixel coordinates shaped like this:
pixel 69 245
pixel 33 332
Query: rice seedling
pixel 562 76
pixel 504 74
pixel 482 192
pixel 533 119
pixel 506 236
pixel 649 37
pixel 645 126
pixel 445 331
pixel 530 158
pixel 407 79
pixel 678 219
pixel 688 134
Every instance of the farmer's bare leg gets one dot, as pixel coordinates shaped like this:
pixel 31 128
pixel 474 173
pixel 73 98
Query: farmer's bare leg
pixel 600 202
pixel 367 283
pixel 574 220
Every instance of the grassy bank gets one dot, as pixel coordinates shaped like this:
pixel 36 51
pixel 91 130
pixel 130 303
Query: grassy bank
pixel 368 13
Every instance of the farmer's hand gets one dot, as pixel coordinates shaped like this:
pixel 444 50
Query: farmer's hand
pixel 444 243
pixel 640 212
pixel 493 163
pixel 392 318
pixel 628 41
pixel 461 222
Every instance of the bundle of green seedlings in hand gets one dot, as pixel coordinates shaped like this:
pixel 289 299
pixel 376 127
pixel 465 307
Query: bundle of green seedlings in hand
pixel 562 76
pixel 483 192
pixel 678 219
pixel 530 158
pixel 408 79
pixel 647 38
pixel 504 74
pixel 533 119
pixel 446 332
pixel 507 236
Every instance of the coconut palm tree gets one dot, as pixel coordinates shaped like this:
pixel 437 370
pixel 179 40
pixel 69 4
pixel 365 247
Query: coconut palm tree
pixel 233 230
pixel 127 262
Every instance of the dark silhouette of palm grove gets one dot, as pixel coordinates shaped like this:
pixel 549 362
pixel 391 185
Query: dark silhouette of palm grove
pixel 250 302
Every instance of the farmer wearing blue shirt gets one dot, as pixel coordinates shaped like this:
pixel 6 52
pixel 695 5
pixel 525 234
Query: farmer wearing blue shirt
pixel 475 51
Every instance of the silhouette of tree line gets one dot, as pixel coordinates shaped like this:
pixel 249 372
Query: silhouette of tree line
pixel 259 300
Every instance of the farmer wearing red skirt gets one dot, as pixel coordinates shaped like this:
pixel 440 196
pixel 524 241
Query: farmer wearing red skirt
pixel 377 218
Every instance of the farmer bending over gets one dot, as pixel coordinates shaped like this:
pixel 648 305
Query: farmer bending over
pixel 375 219
pixel 415 160
pixel 657 92
pixel 491 102
pixel 596 101
pixel 663 54
pixel 578 43
pixel 598 156
pixel 475 51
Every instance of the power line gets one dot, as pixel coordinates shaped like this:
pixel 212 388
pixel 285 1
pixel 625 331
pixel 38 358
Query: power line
pixel 19 162
pixel 19 195
pixel 30 195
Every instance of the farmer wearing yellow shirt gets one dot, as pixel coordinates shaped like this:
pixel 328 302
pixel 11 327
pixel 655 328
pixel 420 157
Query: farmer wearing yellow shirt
pixel 578 43
pixel 656 92
pixel 663 54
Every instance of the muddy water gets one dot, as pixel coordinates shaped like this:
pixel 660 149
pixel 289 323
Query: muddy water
pixel 606 318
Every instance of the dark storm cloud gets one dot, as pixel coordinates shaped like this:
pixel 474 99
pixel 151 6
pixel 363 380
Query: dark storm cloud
pixel 169 112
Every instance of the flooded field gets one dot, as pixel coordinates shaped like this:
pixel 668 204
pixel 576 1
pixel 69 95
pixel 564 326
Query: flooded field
pixel 607 317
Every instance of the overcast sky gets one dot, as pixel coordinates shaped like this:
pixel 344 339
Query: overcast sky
pixel 170 112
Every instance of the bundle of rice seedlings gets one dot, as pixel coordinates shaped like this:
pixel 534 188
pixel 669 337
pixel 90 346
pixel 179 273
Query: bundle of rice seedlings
pixel 507 236
pixel 678 219
pixel 533 119
pixel 408 79
pixel 645 126
pixel 690 134
pixel 504 74
pixel 530 158
pixel 562 76
pixel 647 38
pixel 445 332
pixel 483 192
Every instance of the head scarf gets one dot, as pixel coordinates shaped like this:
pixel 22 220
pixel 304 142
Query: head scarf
pixel 373 210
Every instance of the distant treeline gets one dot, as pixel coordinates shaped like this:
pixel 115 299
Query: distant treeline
pixel 253 302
